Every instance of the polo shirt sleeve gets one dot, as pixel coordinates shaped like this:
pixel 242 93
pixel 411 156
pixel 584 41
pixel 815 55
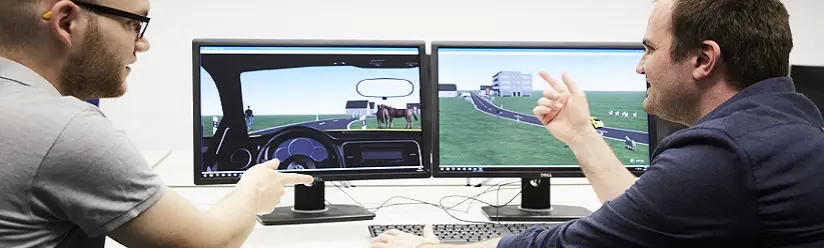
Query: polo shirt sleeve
pixel 693 195
pixel 94 177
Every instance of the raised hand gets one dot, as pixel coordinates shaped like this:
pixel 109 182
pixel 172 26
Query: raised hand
pixel 563 109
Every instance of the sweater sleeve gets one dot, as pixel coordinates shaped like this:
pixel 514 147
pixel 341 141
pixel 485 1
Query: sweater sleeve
pixel 695 194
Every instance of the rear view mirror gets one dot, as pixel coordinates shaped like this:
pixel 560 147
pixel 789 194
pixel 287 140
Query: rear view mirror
pixel 385 87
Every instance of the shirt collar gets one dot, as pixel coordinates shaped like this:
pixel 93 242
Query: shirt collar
pixel 16 72
pixel 770 85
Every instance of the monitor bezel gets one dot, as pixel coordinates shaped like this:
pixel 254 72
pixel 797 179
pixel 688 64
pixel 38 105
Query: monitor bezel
pixel 533 172
pixel 803 77
pixel 348 175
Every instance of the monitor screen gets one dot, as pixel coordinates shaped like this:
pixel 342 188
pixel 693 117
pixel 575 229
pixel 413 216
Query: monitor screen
pixel 486 94
pixel 809 80
pixel 335 109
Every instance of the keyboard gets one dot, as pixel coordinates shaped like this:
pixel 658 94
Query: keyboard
pixel 460 233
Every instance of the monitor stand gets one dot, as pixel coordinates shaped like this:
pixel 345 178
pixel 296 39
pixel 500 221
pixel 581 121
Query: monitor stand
pixel 310 207
pixel 535 206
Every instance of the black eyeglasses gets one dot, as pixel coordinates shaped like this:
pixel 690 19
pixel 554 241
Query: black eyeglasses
pixel 142 21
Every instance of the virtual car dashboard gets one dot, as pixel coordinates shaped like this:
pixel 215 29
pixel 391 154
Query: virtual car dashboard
pixel 307 148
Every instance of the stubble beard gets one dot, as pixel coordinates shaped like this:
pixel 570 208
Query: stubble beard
pixel 676 105
pixel 94 72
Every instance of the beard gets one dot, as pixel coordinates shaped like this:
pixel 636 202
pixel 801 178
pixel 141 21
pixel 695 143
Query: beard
pixel 93 72
pixel 675 104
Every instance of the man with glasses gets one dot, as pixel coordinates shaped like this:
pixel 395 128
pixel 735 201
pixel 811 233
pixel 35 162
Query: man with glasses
pixel 68 176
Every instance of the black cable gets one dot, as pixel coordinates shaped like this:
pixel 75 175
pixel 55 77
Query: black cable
pixel 498 208
pixel 499 185
pixel 347 194
pixel 477 195
pixel 383 205
pixel 446 210
pixel 440 205
pixel 488 204
pixel 488 190
pixel 498 200
pixel 406 203
pixel 440 202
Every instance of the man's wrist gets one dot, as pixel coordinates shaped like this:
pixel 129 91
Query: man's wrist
pixel 584 137
pixel 248 191
pixel 248 186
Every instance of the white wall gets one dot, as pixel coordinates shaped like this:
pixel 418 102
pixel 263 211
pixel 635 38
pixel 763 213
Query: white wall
pixel 157 111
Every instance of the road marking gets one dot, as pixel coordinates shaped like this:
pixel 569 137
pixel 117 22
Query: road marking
pixel 259 132
pixel 530 123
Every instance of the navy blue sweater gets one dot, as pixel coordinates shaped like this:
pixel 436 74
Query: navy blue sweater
pixel 749 174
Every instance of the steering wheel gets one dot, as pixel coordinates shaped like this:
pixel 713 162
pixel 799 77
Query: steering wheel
pixel 299 161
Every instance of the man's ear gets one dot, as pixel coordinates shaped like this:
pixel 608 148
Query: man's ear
pixel 708 60
pixel 64 19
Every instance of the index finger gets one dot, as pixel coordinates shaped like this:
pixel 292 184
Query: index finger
pixel 573 88
pixel 560 88
pixel 291 178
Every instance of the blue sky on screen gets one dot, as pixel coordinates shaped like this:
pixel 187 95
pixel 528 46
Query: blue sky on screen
pixel 315 90
pixel 592 70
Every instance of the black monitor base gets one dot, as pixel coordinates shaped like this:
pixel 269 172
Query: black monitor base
pixel 333 213
pixel 535 206
pixel 310 207
pixel 557 213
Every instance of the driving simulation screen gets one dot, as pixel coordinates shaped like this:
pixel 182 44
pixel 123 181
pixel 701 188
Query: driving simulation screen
pixel 325 110
pixel 486 98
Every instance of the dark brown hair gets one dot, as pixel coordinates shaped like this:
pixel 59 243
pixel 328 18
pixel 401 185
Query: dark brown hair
pixel 754 35
pixel 18 19
pixel 17 23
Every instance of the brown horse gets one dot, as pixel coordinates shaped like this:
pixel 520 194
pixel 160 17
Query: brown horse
pixel 382 115
pixel 386 114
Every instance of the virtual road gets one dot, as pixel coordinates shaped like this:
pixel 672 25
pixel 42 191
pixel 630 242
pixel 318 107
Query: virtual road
pixel 321 125
pixel 613 133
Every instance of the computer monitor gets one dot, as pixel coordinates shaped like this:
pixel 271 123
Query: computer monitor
pixel 809 80
pixel 485 126
pixel 333 109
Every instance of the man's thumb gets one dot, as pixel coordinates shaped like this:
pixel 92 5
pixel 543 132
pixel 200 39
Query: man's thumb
pixel 272 164
pixel 429 233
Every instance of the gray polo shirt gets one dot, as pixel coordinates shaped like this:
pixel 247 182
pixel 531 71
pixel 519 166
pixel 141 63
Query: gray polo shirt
pixel 68 176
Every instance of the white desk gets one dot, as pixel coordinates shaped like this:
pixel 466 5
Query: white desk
pixel 371 194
